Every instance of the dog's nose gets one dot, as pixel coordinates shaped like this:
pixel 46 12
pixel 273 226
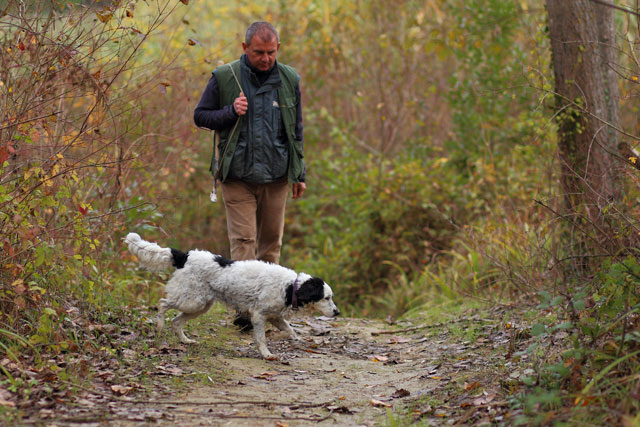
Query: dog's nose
pixel 336 312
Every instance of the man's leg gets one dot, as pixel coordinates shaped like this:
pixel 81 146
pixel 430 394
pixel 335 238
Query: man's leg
pixel 240 204
pixel 272 199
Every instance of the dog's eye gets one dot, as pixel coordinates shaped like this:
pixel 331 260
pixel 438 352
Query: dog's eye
pixel 328 298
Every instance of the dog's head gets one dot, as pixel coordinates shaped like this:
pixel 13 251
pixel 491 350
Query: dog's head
pixel 314 294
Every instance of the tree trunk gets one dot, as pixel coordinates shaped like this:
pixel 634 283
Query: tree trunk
pixel 584 56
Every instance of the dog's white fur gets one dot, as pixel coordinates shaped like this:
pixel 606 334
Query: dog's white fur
pixel 255 289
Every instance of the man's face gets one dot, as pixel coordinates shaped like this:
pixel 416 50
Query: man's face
pixel 261 54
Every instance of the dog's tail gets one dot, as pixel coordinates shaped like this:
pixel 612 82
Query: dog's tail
pixel 153 257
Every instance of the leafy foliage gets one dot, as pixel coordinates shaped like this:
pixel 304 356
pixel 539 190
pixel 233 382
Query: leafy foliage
pixel 428 139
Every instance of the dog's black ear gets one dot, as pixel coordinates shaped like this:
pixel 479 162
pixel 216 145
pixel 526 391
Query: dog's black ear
pixel 311 290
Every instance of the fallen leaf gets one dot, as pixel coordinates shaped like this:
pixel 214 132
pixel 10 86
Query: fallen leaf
pixel 379 359
pixel 20 289
pixel 400 393
pixel 86 402
pixel 398 340
pixel 440 413
pixel 120 389
pixel 267 376
pixel 380 403
pixel 169 370
pixel 129 354
pixel 20 303
pixel 9 403
pixel 471 386
pixel 484 398
pixel 340 410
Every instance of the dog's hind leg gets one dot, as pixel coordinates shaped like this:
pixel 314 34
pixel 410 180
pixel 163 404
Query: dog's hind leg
pixel 179 321
pixel 163 306
pixel 284 326
pixel 178 324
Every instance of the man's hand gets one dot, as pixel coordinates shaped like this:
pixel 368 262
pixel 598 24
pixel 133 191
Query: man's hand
pixel 298 189
pixel 240 104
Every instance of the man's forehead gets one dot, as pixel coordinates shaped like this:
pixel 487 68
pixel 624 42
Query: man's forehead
pixel 265 38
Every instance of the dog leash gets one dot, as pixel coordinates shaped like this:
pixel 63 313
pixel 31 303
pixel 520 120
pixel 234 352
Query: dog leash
pixel 213 196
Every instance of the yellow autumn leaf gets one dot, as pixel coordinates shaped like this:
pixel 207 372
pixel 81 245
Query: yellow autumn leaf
pixel 104 16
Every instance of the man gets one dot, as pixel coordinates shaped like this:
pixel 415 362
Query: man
pixel 254 105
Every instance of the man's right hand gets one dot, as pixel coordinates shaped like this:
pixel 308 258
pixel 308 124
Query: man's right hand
pixel 240 104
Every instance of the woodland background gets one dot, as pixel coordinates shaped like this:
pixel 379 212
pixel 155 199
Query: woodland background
pixel 434 148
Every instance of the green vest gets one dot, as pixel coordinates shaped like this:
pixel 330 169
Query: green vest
pixel 229 91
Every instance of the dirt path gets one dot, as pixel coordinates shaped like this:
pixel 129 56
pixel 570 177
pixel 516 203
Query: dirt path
pixel 342 372
pixel 338 375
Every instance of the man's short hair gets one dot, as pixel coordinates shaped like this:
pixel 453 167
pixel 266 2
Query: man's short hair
pixel 262 29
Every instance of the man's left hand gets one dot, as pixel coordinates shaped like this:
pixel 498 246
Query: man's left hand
pixel 298 189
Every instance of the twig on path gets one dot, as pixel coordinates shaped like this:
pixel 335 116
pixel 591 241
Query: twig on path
pixel 294 405
pixel 89 418
pixel 258 417
pixel 435 325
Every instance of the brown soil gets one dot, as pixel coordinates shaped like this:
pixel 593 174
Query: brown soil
pixel 342 372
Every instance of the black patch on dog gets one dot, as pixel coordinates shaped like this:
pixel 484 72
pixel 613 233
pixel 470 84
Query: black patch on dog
pixel 179 258
pixel 222 261
pixel 289 295
pixel 311 290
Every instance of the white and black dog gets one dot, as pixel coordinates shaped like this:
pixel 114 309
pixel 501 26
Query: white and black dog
pixel 258 290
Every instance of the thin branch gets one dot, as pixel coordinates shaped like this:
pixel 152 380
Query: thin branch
pixel 613 6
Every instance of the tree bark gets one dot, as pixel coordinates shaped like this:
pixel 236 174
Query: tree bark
pixel 584 53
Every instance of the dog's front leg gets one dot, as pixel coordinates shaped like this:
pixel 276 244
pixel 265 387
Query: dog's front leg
pixel 259 337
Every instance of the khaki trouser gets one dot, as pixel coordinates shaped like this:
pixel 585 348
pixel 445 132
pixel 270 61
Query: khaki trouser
pixel 255 219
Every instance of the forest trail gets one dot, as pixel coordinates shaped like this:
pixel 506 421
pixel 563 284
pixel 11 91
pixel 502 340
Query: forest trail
pixel 343 372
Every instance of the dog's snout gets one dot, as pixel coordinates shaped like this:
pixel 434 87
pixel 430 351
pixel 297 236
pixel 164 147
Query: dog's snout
pixel 336 312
